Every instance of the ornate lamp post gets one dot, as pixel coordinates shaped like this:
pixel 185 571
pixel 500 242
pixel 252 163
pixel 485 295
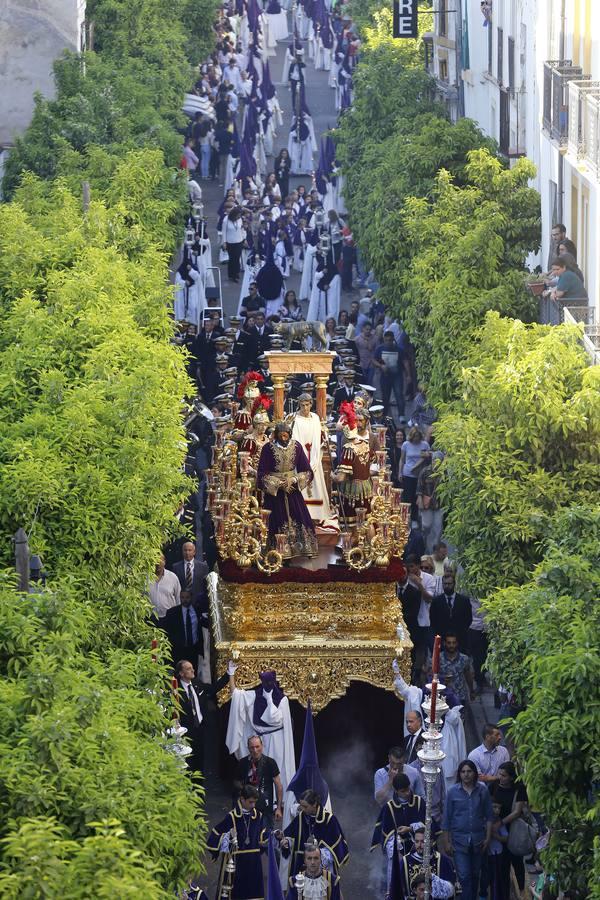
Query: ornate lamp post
pixel 431 755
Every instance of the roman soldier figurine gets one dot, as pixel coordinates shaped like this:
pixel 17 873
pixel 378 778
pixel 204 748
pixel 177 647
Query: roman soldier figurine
pixel 353 474
pixel 247 392
pixel 255 438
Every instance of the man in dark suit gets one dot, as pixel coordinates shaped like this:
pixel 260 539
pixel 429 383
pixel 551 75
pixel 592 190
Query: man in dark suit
pixel 263 332
pixel 246 345
pixel 183 625
pixel 192 573
pixel 451 612
pixel 193 701
pixel 414 725
pixel 204 348
pixel 345 393
pixel 410 599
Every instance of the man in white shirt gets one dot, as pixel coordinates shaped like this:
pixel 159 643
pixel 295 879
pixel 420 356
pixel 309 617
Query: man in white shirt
pixel 426 584
pixel 490 755
pixel 191 159
pixel 231 73
pixel 165 590
pixel 383 782
pixel 440 557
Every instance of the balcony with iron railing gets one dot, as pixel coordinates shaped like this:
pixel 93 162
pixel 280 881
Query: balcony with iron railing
pixel 584 125
pixel 558 74
pixel 553 312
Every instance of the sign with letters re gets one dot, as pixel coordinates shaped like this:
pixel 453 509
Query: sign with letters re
pixel 405 19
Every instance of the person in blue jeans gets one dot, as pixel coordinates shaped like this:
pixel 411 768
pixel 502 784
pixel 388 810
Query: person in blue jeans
pixel 467 826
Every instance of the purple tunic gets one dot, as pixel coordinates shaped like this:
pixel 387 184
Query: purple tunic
pixel 268 465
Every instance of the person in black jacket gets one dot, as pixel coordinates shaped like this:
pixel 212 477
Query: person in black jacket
pixel 451 612
pixel 192 573
pixel 193 701
pixel 183 624
pixel 410 598
pixel 346 392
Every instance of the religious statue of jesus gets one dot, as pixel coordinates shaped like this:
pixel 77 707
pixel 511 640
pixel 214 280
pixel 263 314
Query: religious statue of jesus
pixel 283 472
pixel 307 430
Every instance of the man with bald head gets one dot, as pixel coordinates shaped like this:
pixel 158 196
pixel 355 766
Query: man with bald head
pixel 188 627
pixel 192 573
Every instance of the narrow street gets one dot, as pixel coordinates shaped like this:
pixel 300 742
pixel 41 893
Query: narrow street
pixel 371 718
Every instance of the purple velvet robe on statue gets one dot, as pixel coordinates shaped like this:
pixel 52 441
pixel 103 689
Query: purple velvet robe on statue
pixel 269 465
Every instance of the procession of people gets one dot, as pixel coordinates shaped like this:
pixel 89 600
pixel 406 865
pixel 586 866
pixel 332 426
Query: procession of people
pixel 313 474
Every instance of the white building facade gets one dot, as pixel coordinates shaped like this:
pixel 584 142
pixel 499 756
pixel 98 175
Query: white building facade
pixel 528 72
pixel 33 33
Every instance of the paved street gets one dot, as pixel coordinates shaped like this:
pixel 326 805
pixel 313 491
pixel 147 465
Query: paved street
pixel 321 102
pixel 375 716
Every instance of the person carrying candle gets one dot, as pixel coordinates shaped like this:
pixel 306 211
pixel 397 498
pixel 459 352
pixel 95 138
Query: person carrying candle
pixel 397 818
pixel 241 835
pixel 413 863
pixel 318 883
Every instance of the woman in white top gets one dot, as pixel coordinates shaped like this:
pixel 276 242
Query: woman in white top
pixel 290 310
pixel 414 451
pixel 234 236
pixel 272 189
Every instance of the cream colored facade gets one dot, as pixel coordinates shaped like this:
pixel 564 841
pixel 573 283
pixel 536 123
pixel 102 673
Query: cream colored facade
pixel 530 78
pixel 33 33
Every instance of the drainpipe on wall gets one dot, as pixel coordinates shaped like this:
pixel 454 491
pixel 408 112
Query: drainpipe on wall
pixel 561 161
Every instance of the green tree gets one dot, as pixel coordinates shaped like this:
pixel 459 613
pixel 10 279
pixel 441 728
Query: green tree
pixel 522 442
pixel 545 643
pixel 90 419
pixel 468 252
pixel 81 743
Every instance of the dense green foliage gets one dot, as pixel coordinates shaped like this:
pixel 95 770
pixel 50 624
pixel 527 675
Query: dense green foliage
pixel 91 453
pixel 443 224
pixel 124 95
pixel 545 633
pixel 80 745
pixel 90 431
pixel 446 228
pixel 523 442
pixel 91 447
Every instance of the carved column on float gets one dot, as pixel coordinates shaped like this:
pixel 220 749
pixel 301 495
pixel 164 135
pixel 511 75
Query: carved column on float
pixel 283 363
pixel 278 397
pixel 321 399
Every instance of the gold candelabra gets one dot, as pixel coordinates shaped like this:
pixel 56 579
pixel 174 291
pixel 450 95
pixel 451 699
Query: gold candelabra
pixel 241 526
pixel 381 533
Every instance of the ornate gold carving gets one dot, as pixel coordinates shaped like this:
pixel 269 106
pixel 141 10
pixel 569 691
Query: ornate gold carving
pixel 317 637
pixel 289 362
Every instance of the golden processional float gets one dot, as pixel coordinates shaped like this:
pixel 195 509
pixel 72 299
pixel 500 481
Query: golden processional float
pixel 319 622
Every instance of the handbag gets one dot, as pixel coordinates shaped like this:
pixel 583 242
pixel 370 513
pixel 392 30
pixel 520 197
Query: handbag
pixel 523 834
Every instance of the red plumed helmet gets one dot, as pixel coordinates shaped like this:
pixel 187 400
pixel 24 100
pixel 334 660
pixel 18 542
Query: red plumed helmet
pixel 263 401
pixel 248 378
pixel 348 412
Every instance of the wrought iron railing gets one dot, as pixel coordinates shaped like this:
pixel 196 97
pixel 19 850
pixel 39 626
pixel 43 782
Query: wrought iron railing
pixel 584 124
pixel 555 114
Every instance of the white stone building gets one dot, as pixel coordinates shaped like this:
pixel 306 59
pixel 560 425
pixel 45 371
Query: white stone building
pixel 33 33
pixel 528 72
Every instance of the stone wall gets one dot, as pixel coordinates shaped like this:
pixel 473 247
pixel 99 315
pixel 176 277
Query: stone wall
pixel 33 33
